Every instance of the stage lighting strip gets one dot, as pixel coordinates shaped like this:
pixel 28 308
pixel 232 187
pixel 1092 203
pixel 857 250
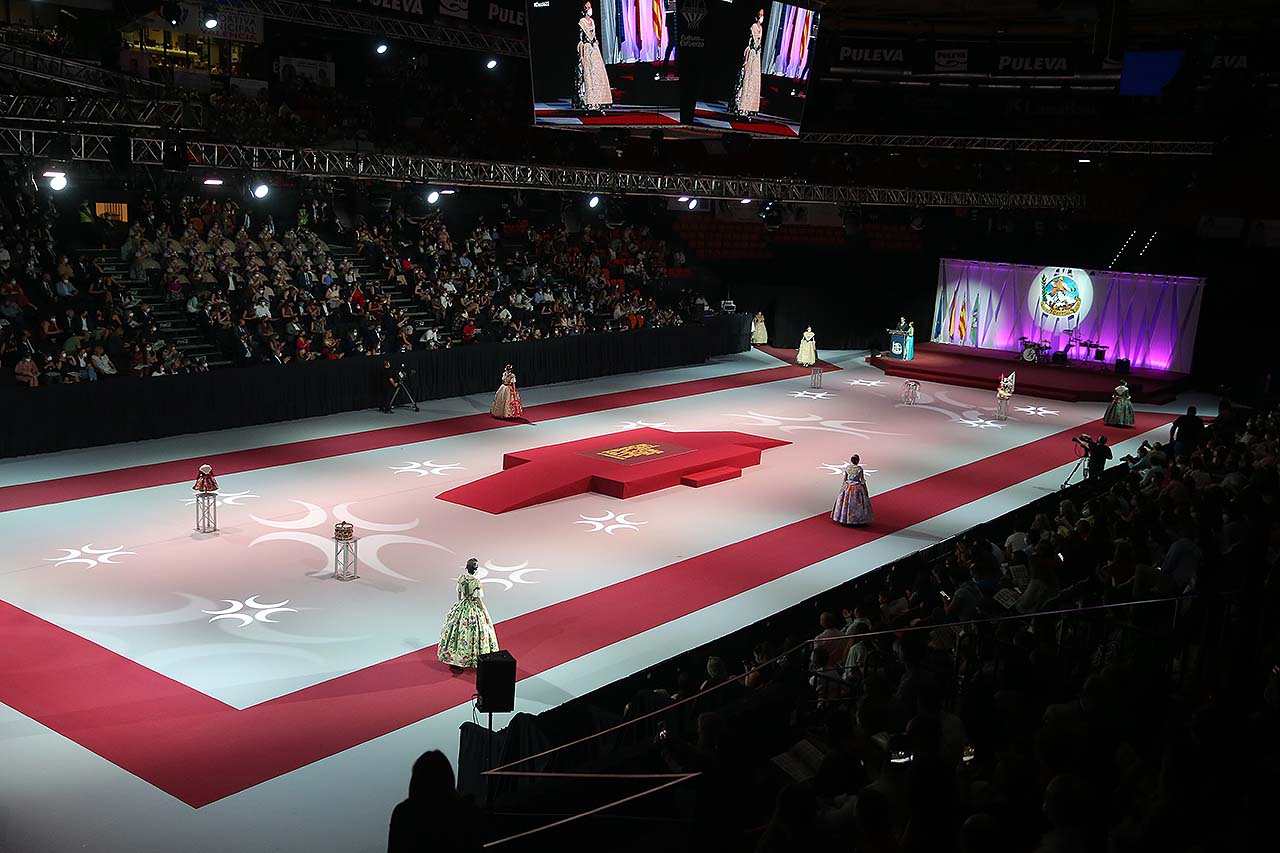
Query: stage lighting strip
pixel 159 729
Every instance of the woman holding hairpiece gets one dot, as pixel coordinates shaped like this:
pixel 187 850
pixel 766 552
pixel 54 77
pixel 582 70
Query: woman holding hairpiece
pixel 746 93
pixel 468 629
pixel 591 80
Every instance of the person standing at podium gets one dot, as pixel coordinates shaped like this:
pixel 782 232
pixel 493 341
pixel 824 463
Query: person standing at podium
pixel 909 349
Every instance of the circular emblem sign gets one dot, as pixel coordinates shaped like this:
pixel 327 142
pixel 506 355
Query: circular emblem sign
pixel 1058 293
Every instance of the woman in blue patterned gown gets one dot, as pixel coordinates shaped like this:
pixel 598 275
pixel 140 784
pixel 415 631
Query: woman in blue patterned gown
pixel 853 506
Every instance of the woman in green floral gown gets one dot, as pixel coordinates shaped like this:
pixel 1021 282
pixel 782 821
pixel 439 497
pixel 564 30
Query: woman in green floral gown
pixel 468 630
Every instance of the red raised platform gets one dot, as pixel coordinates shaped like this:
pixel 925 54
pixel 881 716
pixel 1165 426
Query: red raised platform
pixel 981 368
pixel 620 465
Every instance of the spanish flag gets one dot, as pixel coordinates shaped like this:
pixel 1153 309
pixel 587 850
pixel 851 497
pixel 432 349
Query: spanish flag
pixel 962 327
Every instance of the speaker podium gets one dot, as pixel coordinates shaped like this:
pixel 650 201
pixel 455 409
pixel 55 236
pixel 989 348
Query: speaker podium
pixel 496 683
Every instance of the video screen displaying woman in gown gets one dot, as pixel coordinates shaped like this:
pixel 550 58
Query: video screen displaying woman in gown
pixel 604 62
pixel 756 77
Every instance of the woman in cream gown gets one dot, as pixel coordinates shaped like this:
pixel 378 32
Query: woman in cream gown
pixel 506 402
pixel 746 94
pixel 759 334
pixel 808 353
pixel 591 81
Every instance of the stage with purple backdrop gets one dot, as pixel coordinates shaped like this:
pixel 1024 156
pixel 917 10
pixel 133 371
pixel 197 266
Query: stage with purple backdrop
pixel 1150 320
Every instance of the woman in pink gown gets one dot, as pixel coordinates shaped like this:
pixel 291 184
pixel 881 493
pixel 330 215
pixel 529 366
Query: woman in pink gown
pixel 506 403
pixel 853 506
pixel 746 94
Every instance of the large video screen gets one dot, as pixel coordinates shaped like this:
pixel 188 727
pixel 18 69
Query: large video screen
pixel 755 75
pixel 604 63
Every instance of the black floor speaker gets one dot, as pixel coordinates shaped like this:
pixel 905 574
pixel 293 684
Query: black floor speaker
pixel 1122 366
pixel 496 683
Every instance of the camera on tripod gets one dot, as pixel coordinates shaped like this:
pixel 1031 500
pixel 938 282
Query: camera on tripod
pixel 403 373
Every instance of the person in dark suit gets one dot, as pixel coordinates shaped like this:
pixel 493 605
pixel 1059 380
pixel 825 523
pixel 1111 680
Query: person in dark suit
pixel 389 383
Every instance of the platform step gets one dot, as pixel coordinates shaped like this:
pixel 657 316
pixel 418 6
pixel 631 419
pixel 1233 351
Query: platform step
pixel 711 476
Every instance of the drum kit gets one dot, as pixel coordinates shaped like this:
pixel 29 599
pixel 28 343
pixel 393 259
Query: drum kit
pixel 1039 352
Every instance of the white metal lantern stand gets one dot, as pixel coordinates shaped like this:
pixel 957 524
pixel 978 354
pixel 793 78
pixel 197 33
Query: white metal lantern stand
pixel 344 552
pixel 815 377
pixel 1002 406
pixel 206 512
pixel 910 392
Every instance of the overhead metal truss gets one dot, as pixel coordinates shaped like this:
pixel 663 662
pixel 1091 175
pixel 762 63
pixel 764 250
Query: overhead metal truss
pixel 113 112
pixel 388 26
pixel 77 75
pixel 319 162
pixel 1198 148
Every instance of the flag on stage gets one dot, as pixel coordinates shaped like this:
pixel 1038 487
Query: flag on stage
pixel 951 324
pixel 974 322
pixel 937 314
pixel 961 327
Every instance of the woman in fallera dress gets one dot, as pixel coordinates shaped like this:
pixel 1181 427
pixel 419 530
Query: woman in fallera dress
pixel 759 334
pixel 506 403
pixel 746 93
pixel 1120 412
pixel 853 505
pixel 807 355
pixel 591 80
pixel 468 630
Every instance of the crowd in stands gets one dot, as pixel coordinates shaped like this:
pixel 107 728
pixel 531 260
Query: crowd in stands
pixel 264 293
pixel 951 705
pixel 63 319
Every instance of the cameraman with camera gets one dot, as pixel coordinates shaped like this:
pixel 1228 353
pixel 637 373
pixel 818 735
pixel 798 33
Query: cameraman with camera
pixel 1097 451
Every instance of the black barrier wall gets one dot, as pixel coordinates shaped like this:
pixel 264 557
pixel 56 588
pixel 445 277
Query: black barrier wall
pixel 90 414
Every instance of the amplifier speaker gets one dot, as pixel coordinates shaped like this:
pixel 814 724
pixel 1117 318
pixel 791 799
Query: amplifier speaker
pixel 496 683
pixel 1122 366
pixel 1059 357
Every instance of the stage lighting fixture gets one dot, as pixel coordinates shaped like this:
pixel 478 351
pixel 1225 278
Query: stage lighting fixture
pixel 491 64
pixel 381 48
pixel 172 12
pixel 261 190
pixel 447 192
pixel 593 202
pixel 683 199
pixel 745 201
pixel 58 183
pixel 433 197
pixel 1084 160
pixel 211 16
pixel 53 173
pixel 213 182
pixel 693 203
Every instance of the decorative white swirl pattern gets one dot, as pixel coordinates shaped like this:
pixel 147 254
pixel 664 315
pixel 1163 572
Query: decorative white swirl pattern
pixel 812 395
pixel 609 522
pixel 786 423
pixel 224 498
pixel 428 467
pixel 1037 411
pixel 257 611
pixel 838 468
pixel 867 383
pixel 641 424
pixel 88 556
pixel 514 574
pixel 370 546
